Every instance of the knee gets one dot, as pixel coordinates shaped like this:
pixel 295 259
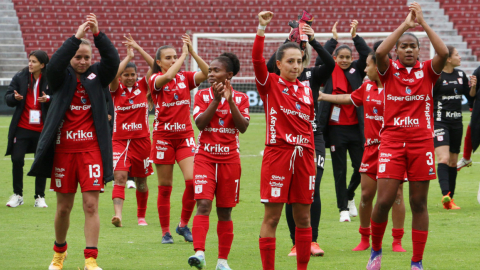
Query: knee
pixel 418 205
pixel 204 207
pixel 18 160
pixel 272 221
pixel 302 220
pixel 63 210
pixel 367 196
pixel 142 184
pixel 224 214
pixel 384 204
pixel 120 180
pixel 90 208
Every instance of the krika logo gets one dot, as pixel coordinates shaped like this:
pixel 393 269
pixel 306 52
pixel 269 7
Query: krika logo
pixel 79 135
pixel 297 106
pixel 220 122
pixel 83 100
pixel 131 126
pixel 299 139
pixel 408 90
pixel 217 148
pixel 175 96
pixel 406 121
pixel 174 126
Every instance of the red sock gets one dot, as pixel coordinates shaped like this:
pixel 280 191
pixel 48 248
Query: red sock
pixel 199 232
pixel 188 203
pixel 365 240
pixel 163 206
pixel 303 240
pixel 60 248
pixel 118 192
pixel 467 147
pixel 225 238
pixel 419 239
pixel 142 198
pixel 378 230
pixel 90 253
pixel 267 252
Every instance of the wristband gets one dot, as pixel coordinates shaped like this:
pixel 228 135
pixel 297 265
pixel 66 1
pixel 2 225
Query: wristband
pixel 96 35
pixel 260 27
pixel 48 98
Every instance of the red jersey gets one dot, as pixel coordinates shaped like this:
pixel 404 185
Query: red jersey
pixel 172 106
pixel 76 132
pixel 409 99
pixel 31 103
pixel 371 98
pixel 347 114
pixel 218 142
pixel 131 111
pixel 289 108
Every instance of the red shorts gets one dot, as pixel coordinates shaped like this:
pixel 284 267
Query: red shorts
pixel 219 180
pixel 166 151
pixel 282 183
pixel 69 169
pixel 370 161
pixel 132 156
pixel 414 160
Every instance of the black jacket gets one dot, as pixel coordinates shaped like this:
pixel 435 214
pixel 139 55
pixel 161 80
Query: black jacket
pixel 355 79
pixel 475 121
pixel 20 83
pixel 63 82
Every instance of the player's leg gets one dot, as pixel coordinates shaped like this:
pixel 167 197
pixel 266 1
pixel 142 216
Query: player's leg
pixel 467 150
pixel 19 149
pixel 188 201
pixel 316 206
pixel 398 220
pixel 273 212
pixel 355 151
pixel 443 157
pixel 303 233
pixel 62 223
pixel 141 168
pixel 369 189
pixel 165 181
pixel 338 151
pixel 118 196
pixel 201 224
pixel 91 228
pixel 141 194
pixel 420 221
pixel 225 236
pixel 455 142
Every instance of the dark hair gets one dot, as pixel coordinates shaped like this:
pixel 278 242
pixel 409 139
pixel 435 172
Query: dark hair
pixel 41 56
pixel 281 50
pixel 230 61
pixel 408 34
pixel 341 47
pixel 156 68
pixel 451 49
pixel 131 65
pixel 375 47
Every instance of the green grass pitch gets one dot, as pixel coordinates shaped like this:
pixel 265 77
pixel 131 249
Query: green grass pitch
pixel 27 233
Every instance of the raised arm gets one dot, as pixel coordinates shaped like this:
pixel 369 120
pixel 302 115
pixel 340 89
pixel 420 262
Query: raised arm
pixel 114 84
pixel 261 72
pixel 199 76
pixel 361 46
pixel 131 42
pixel 160 81
pixel 322 72
pixel 330 45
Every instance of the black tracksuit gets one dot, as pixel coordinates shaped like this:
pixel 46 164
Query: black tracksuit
pixel 346 137
pixel 21 140
pixel 475 121
pixel 314 78
pixel 63 82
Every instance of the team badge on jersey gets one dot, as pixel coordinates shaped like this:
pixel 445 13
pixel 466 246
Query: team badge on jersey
pixel 221 122
pixel 460 74
pixel 306 99
pixel 91 76
pixel 206 98
pixel 83 100
pixel 381 168
pixel 408 90
pixel 297 106
pixel 419 74
pixel 130 101
pixel 460 80
pixel 182 85
pixel 175 96
pixel 238 100
pixel 352 70
pixel 137 92
pixel 276 192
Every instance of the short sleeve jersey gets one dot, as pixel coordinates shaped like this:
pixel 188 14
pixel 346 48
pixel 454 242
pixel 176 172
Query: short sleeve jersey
pixel 447 96
pixel 76 132
pixel 408 102
pixel 131 111
pixel 172 106
pixel 371 98
pixel 219 141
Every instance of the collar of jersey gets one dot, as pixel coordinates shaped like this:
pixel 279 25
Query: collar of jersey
pixel 400 66
pixel 290 84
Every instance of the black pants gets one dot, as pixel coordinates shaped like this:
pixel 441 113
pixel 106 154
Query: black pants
pixel 25 142
pixel 316 207
pixel 343 138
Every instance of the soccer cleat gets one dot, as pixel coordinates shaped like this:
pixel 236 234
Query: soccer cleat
pixel 40 202
pixel 293 252
pixel 345 216
pixel 416 265
pixel 116 221
pixel 131 184
pixel 352 209
pixel 91 264
pixel 142 222
pixel 15 200
pixel 463 163
pixel 446 201
pixel 57 262
pixel 375 261
pixel 198 261
pixel 453 206
pixel 222 265
pixel 315 250
pixel 167 239
pixel 185 232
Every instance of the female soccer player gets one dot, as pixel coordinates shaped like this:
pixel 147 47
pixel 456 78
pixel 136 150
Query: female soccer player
pixel 173 132
pixel 340 124
pixel 26 93
pixel 76 144
pixel 131 133
pixel 407 132
pixel 447 105
pixel 288 167
pixel 371 95
pixel 313 77
pixel 220 113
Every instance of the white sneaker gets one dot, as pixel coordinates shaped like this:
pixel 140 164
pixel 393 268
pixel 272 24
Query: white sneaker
pixel 352 209
pixel 15 200
pixel 463 163
pixel 131 184
pixel 222 265
pixel 40 202
pixel 478 195
pixel 344 216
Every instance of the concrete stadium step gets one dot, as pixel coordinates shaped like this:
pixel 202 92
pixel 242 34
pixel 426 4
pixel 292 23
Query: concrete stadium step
pixel 11 48
pixel 6 41
pixel 14 55
pixel 8 75
pixel 11 34
pixel 9 27
pixel 11 68
pixel 15 61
